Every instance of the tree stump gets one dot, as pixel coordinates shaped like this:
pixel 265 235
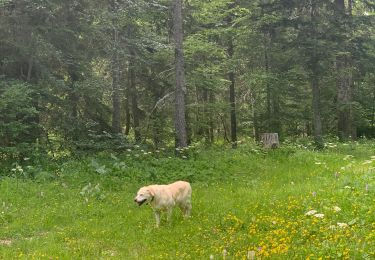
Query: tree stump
pixel 270 140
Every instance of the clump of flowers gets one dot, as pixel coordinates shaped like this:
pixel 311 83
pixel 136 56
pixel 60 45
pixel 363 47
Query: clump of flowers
pixel 310 213
pixel 336 209
pixel 342 225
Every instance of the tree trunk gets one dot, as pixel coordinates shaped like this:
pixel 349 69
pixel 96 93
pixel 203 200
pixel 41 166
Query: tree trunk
pixel 317 122
pixel 116 100
pixel 116 96
pixel 29 69
pixel 211 118
pixel 268 87
pixel 73 95
pixel 134 99
pixel 314 79
pixel 270 140
pixel 344 110
pixel 232 99
pixel 253 115
pixel 180 112
pixel 206 119
pixel 127 107
pixel 344 75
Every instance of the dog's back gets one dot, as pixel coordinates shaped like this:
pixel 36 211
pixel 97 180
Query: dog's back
pixel 181 191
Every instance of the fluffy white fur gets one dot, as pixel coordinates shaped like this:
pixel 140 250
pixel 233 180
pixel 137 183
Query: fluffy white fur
pixel 165 197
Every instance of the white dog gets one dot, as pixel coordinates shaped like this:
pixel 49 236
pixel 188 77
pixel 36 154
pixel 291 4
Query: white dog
pixel 165 197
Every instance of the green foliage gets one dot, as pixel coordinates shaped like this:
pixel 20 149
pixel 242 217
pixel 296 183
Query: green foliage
pixel 63 62
pixel 19 124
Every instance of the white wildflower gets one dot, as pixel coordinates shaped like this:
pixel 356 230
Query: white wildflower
pixel 342 225
pixel 311 212
pixel 224 253
pixel 336 209
pixel 319 215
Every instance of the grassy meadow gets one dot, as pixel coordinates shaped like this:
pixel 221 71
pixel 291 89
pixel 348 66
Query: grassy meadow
pixel 287 203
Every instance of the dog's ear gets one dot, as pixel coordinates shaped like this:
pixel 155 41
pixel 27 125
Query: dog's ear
pixel 151 190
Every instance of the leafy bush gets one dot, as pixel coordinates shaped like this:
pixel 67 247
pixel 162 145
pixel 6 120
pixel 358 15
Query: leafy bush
pixel 19 121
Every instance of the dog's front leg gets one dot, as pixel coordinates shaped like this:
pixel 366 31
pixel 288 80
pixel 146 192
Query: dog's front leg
pixel 157 218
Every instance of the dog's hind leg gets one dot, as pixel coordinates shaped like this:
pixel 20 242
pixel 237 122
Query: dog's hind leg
pixel 169 214
pixel 186 209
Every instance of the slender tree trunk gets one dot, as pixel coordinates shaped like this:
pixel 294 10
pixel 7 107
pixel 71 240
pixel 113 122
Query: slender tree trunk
pixel 134 99
pixel 199 115
pixel 206 127
pixel 127 107
pixel 232 99
pixel 180 109
pixel 116 100
pixel 253 115
pixel 30 69
pixel 132 89
pixel 116 95
pixel 268 87
pixel 225 131
pixel 211 118
pixel 344 110
pixel 317 122
pixel 344 75
pixel 314 63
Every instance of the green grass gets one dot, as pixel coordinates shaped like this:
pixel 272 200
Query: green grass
pixel 244 201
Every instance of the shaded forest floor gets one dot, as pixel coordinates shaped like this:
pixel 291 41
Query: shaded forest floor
pixel 287 203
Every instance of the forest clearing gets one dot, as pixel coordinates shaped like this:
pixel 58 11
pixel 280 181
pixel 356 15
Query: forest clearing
pixel 288 203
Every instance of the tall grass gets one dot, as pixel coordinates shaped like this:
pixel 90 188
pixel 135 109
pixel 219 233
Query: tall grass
pixel 245 202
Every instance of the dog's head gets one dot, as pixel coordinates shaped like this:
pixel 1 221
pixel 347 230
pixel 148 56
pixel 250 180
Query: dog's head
pixel 144 194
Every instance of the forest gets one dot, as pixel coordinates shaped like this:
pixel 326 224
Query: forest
pixel 91 75
pixel 101 98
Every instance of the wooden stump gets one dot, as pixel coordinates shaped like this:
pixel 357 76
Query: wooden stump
pixel 270 140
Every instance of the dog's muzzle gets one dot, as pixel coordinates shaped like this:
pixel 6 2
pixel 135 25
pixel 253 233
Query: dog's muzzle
pixel 140 202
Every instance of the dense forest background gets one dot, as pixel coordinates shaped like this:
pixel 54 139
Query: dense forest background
pixel 79 75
